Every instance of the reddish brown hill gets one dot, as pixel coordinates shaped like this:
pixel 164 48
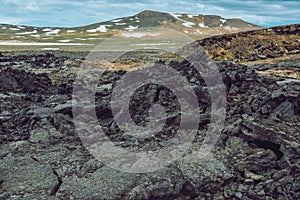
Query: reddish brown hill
pixel 254 45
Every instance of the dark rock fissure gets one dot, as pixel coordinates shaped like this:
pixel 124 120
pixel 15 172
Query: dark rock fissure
pixel 188 190
pixel 35 159
pixel 269 145
pixel 57 186
pixel 297 111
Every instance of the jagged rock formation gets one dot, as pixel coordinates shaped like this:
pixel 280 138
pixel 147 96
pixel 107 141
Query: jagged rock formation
pixel 256 157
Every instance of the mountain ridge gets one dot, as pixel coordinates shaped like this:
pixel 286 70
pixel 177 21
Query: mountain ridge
pixel 196 26
pixel 155 18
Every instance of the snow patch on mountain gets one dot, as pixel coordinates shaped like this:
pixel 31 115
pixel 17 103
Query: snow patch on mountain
pixel 53 32
pixel 177 16
pixel 81 39
pixel 14 29
pixel 64 41
pixel 131 28
pixel 188 24
pixel 46 29
pixel 185 23
pixel 201 25
pixel 101 28
pixel 119 24
pixel 27 33
pixel 223 20
pixel 116 20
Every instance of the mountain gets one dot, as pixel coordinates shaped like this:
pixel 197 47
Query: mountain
pixel 188 23
pixel 196 26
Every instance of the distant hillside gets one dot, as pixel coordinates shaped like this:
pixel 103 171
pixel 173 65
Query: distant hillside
pixel 188 23
pixel 254 45
pixel 196 26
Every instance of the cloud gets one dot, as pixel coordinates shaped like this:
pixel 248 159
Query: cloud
pixel 76 12
pixel 31 8
pixel 10 1
pixel 13 21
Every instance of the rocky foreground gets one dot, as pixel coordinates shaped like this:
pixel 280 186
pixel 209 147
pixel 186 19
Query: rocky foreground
pixel 257 155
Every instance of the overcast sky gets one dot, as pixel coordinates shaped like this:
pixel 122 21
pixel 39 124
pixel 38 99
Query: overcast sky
pixel 70 13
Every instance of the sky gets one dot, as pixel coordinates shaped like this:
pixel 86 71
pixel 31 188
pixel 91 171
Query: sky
pixel 72 13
